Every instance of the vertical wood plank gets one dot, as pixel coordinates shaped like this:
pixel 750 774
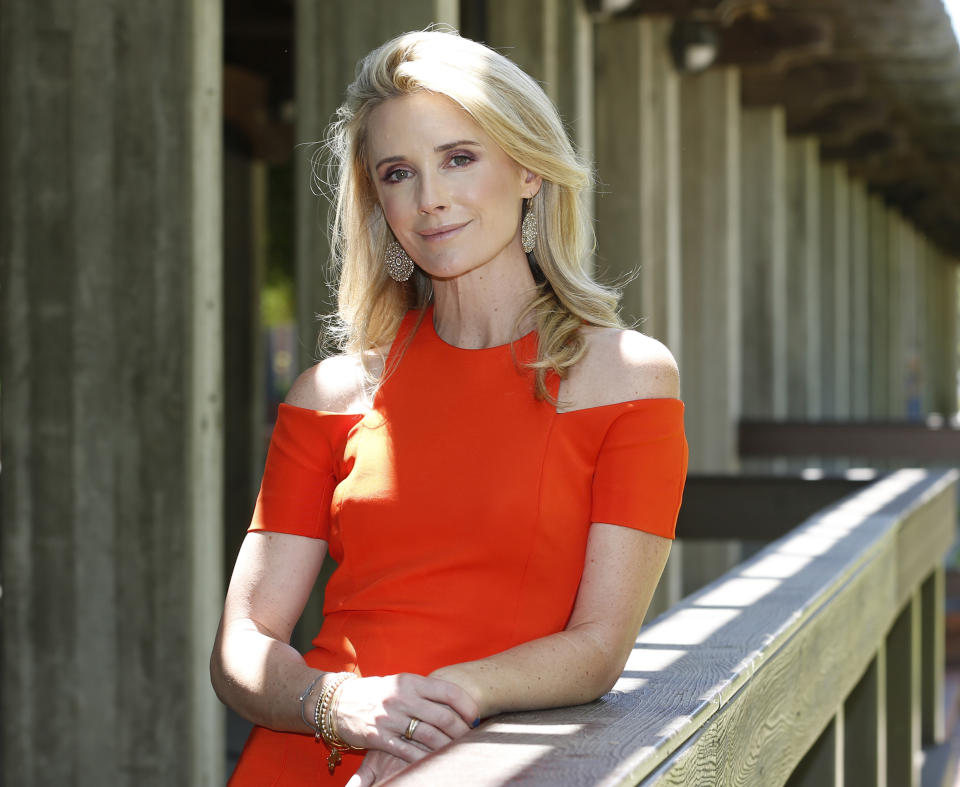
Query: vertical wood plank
pixel 904 696
pixel 932 654
pixel 879 333
pixel 822 765
pixel 865 728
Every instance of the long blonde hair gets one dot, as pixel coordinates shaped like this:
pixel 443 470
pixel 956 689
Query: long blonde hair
pixel 514 111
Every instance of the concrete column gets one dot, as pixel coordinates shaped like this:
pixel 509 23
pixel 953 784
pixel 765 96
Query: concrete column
pixel 711 280
pixel 763 306
pixel 803 278
pixel 896 367
pixel 879 333
pixel 835 290
pixel 710 255
pixel 638 162
pixel 111 369
pixel 552 40
pixel 331 37
pixel 859 302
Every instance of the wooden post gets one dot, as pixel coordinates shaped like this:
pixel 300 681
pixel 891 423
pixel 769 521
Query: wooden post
pixel 822 765
pixel 896 403
pixel 112 385
pixel 803 277
pixel 865 723
pixel 933 656
pixel 903 696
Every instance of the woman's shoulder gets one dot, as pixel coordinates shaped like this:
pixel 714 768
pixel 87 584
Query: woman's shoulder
pixel 620 365
pixel 337 384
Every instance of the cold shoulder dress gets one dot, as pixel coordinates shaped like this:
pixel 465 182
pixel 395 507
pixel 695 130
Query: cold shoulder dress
pixel 457 510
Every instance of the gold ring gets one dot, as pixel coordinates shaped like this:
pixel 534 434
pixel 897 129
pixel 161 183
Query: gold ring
pixel 411 727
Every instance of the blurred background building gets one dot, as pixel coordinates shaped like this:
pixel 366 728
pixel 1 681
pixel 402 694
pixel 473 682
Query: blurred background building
pixel 782 176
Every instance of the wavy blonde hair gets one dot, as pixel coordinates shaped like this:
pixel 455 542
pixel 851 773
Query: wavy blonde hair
pixel 514 111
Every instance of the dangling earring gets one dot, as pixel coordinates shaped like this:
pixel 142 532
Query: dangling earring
pixel 528 231
pixel 398 262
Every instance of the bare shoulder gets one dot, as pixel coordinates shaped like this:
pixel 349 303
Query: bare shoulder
pixel 337 384
pixel 620 366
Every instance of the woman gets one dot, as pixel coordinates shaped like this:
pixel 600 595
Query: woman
pixel 493 462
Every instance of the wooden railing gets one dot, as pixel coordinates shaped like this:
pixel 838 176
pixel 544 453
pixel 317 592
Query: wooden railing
pixel 817 659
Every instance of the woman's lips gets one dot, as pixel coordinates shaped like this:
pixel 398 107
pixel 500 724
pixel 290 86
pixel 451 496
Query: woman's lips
pixel 442 232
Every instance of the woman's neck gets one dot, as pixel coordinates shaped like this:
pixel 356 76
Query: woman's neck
pixel 480 308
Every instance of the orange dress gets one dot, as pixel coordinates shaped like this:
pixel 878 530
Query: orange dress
pixel 457 510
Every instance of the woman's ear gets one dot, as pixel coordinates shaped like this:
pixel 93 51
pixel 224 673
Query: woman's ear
pixel 531 183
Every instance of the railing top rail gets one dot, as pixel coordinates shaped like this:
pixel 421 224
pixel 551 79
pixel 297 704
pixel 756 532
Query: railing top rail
pixel 821 597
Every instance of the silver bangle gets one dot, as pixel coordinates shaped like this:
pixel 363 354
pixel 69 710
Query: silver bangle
pixel 303 699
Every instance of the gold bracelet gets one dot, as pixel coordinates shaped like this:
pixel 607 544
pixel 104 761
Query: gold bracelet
pixel 324 720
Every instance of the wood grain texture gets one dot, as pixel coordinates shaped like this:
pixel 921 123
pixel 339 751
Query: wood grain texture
pixel 735 684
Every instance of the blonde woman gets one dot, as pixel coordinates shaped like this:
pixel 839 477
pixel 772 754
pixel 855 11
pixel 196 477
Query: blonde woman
pixel 494 463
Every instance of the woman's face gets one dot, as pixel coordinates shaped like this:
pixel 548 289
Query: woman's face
pixel 451 196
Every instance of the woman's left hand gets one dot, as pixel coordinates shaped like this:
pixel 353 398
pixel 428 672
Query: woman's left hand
pixel 377 767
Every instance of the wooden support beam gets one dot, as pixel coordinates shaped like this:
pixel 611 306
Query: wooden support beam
pixel 932 656
pixel 865 727
pixel 903 696
pixel 822 765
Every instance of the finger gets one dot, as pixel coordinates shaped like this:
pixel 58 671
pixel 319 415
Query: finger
pixel 404 750
pixel 364 777
pixel 442 717
pixel 429 736
pixel 448 693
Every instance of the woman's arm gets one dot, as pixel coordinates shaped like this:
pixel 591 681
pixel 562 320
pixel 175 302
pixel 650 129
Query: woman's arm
pixel 582 662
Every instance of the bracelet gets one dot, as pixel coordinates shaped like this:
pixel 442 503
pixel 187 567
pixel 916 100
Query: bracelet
pixel 325 720
pixel 303 699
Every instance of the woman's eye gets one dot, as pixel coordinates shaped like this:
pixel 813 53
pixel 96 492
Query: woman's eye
pixel 396 175
pixel 461 160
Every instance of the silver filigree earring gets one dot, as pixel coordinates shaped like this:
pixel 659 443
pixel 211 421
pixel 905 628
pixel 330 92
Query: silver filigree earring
pixel 528 231
pixel 398 262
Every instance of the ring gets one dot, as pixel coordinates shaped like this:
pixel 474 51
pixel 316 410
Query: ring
pixel 411 727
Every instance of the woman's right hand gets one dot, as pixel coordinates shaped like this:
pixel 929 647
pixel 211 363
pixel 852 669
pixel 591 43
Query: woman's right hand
pixel 374 713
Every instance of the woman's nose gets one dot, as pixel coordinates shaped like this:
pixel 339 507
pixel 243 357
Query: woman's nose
pixel 431 195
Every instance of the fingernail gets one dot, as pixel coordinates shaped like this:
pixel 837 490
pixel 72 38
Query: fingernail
pixel 476 723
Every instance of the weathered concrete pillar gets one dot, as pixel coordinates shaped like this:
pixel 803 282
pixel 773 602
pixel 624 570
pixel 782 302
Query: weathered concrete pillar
pixel 803 278
pixel 710 258
pixel 111 365
pixel 552 40
pixel 896 403
pixel 331 36
pixel 835 290
pixel 859 302
pixel 879 334
pixel 637 152
pixel 638 161
pixel 950 293
pixel 763 306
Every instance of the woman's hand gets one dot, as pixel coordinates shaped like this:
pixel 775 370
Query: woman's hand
pixel 377 767
pixel 375 713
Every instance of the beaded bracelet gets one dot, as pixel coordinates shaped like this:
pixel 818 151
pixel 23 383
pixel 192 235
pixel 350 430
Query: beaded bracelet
pixel 325 724
pixel 303 699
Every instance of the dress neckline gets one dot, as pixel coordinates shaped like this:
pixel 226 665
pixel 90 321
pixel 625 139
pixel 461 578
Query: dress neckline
pixel 431 330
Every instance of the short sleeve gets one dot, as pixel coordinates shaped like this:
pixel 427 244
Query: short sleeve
pixel 299 477
pixel 641 468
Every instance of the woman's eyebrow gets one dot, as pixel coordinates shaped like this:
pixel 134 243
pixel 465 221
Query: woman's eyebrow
pixel 438 149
